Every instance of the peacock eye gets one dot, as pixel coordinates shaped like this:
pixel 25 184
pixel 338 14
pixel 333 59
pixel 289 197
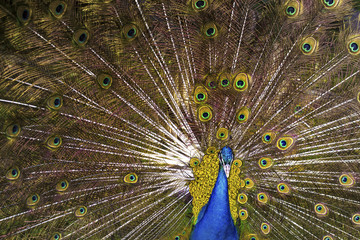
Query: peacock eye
pixel 284 143
pixel 306 47
pixel 55 102
pixel 262 198
pixel 354 47
pixel 57 236
pixel 356 218
pixel 283 188
pixel 265 228
pixel 327 238
pixel 237 163
pixel 13 173
pixel 249 183
pixel 177 238
pixel 194 162
pixel 32 200
pixel 290 11
pixel 241 82
pixel 265 162
pixel 222 134
pixel 104 80
pixel 81 37
pixel 292 8
pixel 200 4
pixel 54 142
pixel 62 186
pixel 346 180
pixel 243 114
pixel 131 178
pixel 57 8
pixel 23 13
pixel 267 138
pixel 242 198
pixel 331 3
pixel 130 32
pixel 13 130
pixel 321 209
pixel 200 95
pixel 80 211
pixel 205 113
pixel 225 83
pixel 243 214
pixel 210 30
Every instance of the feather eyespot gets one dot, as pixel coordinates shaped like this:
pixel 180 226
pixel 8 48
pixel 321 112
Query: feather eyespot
pixel 57 8
pixel 292 8
pixel 249 183
pixel 32 200
pixel 211 150
pixel 262 198
pixel 242 198
pixel 131 178
pixel 243 115
pixel 54 142
pixel 356 218
pixel 210 30
pixel 329 4
pixel 13 173
pixel 241 82
pixel 346 180
pixel 265 162
pixel 205 113
pixel 194 162
pixel 327 237
pixel 199 5
pixel 81 37
pixel 13 130
pixel 200 95
pixel 265 228
pixel 56 236
pixel 222 134
pixel 353 45
pixel 268 137
pixel 308 46
pixel 130 32
pixel 252 237
pixel 224 81
pixel 321 209
pixel 62 186
pixel 24 13
pixel 243 214
pixel 80 211
pixel 55 102
pixel 283 188
pixel 284 143
pixel 237 163
pixel 104 80
pixel 211 82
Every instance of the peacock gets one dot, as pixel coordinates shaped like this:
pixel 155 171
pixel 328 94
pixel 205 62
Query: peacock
pixel 179 119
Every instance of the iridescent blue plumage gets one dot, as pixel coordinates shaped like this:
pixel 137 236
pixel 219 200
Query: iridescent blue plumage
pixel 215 220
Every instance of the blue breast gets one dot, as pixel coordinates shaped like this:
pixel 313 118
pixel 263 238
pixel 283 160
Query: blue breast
pixel 216 222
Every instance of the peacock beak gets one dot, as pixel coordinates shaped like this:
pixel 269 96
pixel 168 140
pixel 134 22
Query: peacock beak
pixel 227 170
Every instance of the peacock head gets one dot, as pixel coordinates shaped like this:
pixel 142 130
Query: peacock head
pixel 226 157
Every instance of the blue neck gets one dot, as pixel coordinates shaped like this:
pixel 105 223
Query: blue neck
pixel 216 222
